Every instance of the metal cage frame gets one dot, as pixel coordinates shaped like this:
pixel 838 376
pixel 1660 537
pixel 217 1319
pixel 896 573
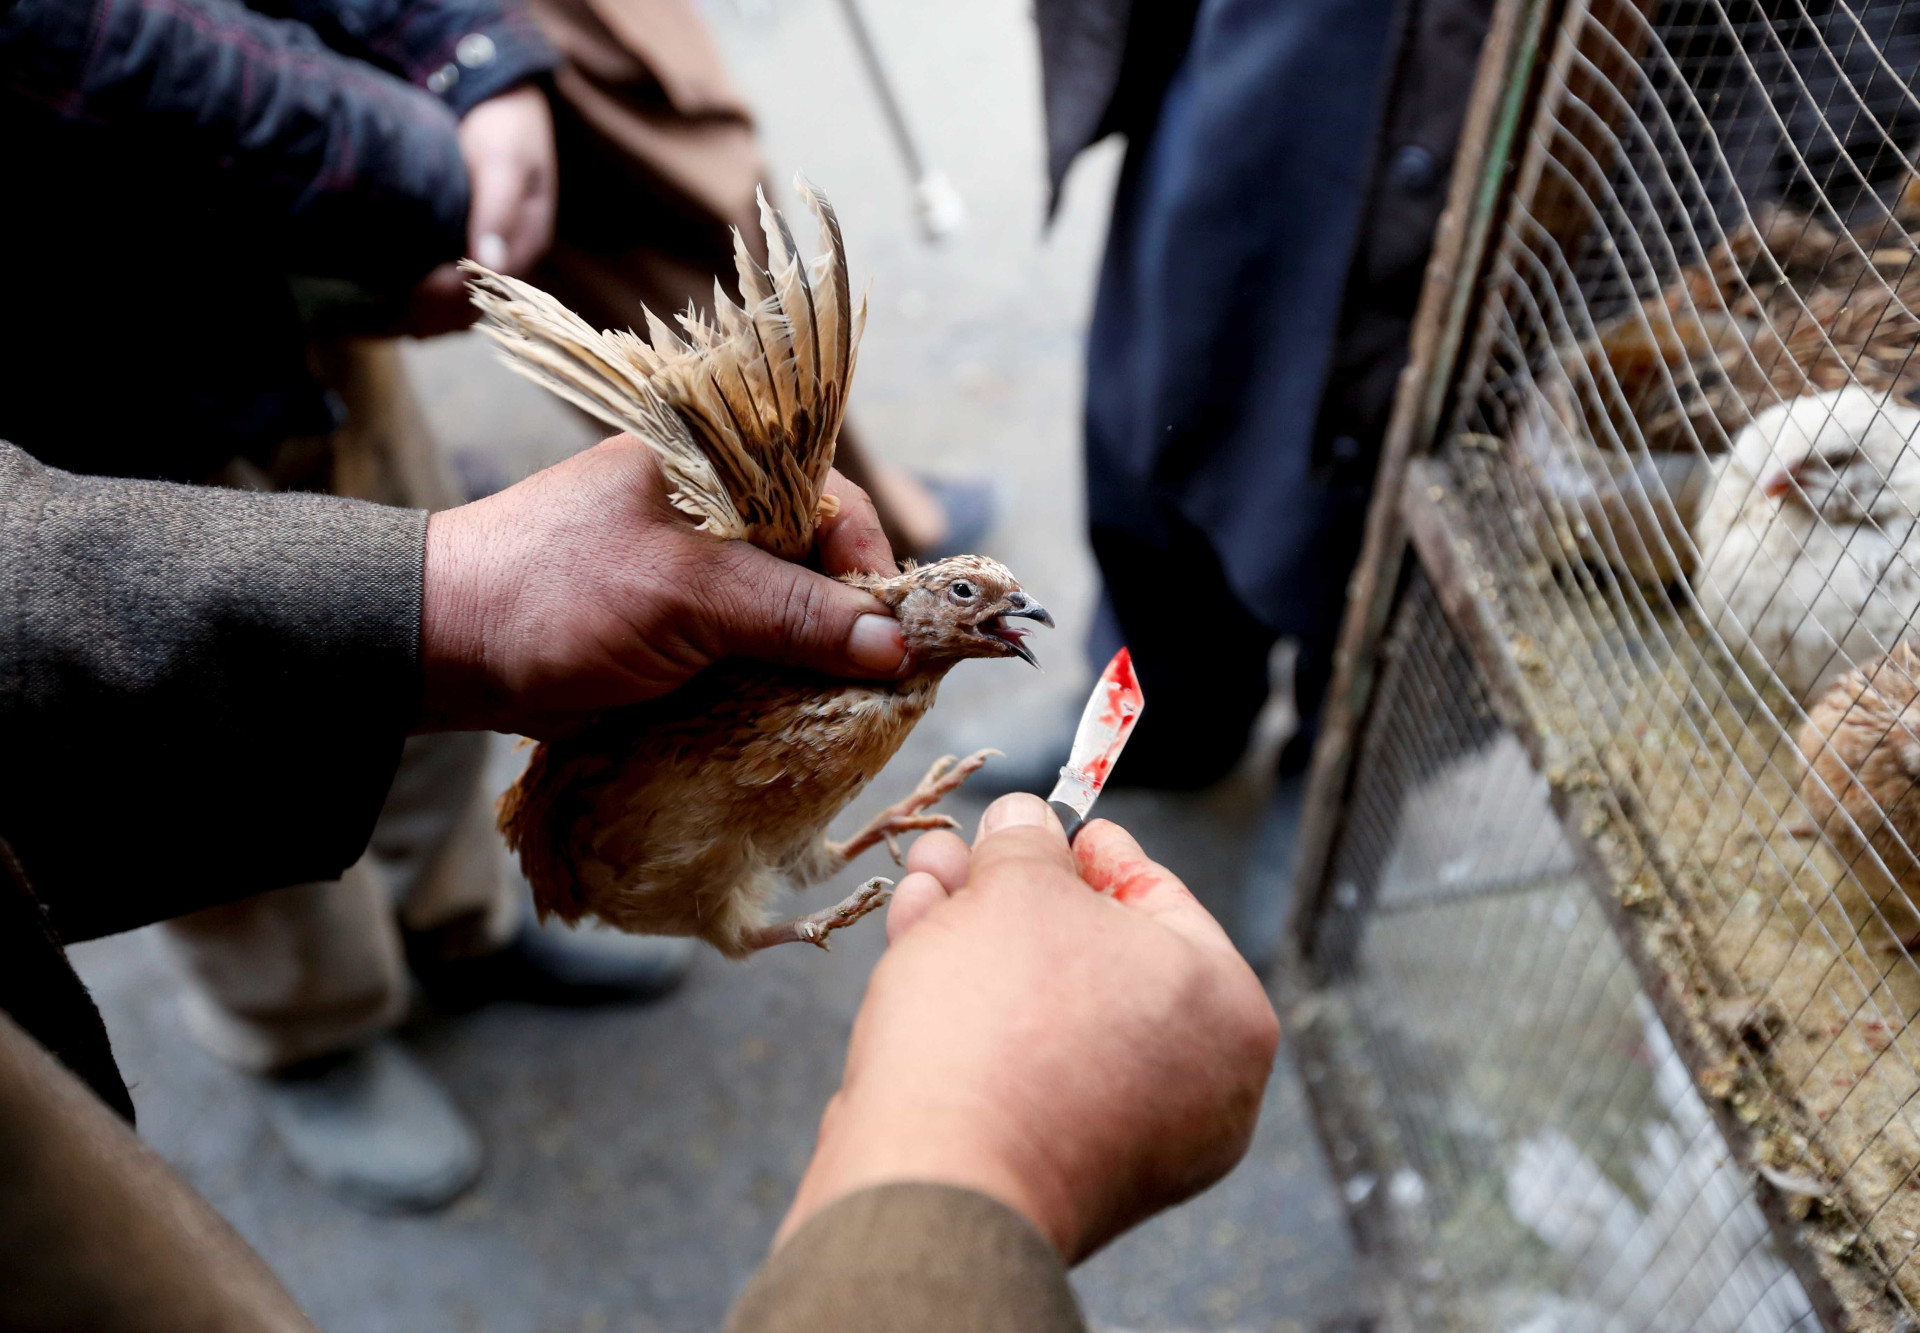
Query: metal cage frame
pixel 1424 544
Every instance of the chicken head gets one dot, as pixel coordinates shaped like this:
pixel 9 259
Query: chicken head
pixel 1848 455
pixel 957 608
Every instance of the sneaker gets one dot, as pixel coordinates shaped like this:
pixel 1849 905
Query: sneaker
pixel 372 1126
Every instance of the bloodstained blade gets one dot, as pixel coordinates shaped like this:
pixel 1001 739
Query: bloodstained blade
pixel 1109 719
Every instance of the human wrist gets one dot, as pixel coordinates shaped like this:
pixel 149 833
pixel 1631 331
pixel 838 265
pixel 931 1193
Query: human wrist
pixel 457 691
pixel 863 1146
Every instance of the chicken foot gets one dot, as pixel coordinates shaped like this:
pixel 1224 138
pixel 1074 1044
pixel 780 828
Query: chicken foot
pixel 904 816
pixel 814 927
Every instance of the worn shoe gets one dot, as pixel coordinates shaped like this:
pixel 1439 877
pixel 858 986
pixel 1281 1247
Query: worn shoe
pixel 1258 926
pixel 375 1128
pixel 557 965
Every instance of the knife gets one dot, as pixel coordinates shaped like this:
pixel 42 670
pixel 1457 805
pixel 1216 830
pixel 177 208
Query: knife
pixel 1109 719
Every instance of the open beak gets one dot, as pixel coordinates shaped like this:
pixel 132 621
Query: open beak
pixel 1777 480
pixel 1018 605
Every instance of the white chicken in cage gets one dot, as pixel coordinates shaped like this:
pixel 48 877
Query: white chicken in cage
pixel 1806 537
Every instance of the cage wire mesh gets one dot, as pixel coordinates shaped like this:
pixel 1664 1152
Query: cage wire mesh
pixel 1528 1122
pixel 1621 911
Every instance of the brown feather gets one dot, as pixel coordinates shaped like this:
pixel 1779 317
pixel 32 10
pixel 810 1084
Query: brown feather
pixel 680 816
pixel 1861 741
pixel 743 410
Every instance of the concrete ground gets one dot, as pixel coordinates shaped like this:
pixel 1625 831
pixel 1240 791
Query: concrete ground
pixel 639 1159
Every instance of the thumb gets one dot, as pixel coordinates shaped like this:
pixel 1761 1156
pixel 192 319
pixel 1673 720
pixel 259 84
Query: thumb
pixel 490 212
pixel 1020 840
pixel 777 611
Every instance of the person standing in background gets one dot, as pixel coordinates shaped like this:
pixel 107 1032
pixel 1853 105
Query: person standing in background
pixel 230 197
pixel 1285 169
pixel 660 159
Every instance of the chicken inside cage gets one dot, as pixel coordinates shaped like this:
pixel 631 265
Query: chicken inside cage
pixel 1670 513
pixel 1629 428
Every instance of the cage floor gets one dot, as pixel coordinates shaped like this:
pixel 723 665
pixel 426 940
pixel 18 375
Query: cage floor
pixel 1516 1134
pixel 1542 1143
pixel 1679 774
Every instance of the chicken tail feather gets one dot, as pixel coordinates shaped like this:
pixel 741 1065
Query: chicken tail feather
pixel 743 409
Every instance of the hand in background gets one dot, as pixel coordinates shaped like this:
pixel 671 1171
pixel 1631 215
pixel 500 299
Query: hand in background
pixel 582 588
pixel 1064 1029
pixel 507 144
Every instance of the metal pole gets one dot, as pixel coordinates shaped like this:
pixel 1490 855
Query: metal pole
pixel 937 204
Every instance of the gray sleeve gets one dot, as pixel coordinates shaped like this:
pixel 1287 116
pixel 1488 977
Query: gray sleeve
pixel 203 693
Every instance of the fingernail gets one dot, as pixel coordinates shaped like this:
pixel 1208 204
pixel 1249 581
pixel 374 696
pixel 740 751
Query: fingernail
pixel 491 250
pixel 1018 809
pixel 875 644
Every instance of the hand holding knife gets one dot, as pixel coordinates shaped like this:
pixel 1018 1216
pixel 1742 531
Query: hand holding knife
pixel 1105 724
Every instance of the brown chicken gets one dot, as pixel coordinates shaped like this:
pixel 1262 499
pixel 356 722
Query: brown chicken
pixel 1862 785
pixel 1784 308
pixel 680 816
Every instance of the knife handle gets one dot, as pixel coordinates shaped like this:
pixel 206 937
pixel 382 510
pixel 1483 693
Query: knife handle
pixel 1069 819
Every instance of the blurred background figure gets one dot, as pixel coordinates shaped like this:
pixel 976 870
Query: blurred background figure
pixel 1284 171
pixel 304 183
pixel 294 180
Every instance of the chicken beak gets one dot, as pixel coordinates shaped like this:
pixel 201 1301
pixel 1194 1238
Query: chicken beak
pixel 1778 480
pixel 1022 605
pixel 1019 604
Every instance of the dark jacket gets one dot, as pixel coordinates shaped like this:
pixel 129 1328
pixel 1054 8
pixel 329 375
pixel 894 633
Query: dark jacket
pixel 173 660
pixel 1262 272
pixel 170 163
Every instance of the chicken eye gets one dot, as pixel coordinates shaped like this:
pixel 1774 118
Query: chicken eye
pixel 962 591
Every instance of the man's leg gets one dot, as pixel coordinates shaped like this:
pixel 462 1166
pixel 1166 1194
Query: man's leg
pixel 436 843
pixel 288 976
pixel 301 986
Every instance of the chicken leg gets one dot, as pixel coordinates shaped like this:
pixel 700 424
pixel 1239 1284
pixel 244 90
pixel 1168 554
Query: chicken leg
pixel 904 816
pixel 814 927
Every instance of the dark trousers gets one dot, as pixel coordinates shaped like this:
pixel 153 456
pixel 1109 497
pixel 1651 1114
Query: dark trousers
pixel 1201 657
pixel 1222 515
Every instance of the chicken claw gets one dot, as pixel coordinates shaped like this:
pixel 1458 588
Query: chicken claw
pixel 814 927
pixel 904 816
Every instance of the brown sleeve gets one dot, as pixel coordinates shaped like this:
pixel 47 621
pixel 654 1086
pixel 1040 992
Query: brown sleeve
pixel 97 1233
pixel 931 1258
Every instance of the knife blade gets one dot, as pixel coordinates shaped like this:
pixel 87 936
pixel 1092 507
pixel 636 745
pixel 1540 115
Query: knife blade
pixel 1108 719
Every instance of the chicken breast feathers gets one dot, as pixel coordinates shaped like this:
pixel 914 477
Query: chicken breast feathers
pixel 681 816
pixel 1861 742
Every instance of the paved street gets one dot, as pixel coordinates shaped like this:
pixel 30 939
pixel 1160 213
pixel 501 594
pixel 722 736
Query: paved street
pixel 639 1159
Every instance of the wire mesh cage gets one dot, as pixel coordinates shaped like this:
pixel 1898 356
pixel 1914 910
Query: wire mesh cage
pixel 1610 883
